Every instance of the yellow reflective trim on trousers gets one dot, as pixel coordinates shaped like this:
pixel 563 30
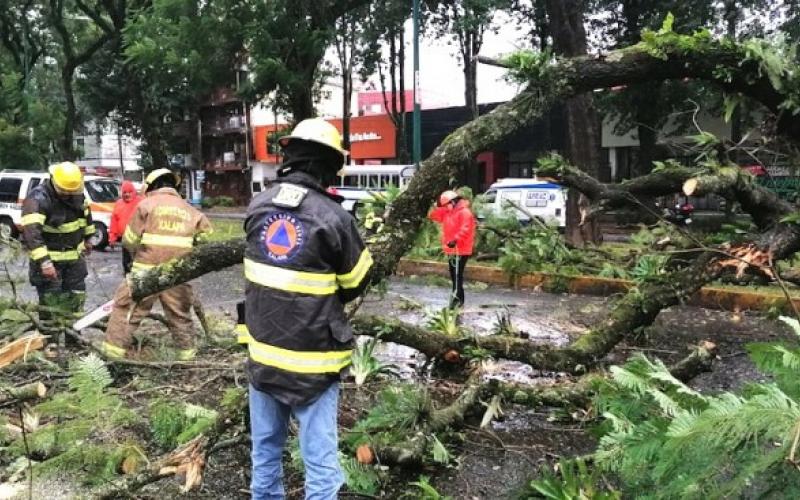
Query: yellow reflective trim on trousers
pixel 30 219
pixel 130 237
pixel 298 361
pixel 39 253
pixel 242 334
pixel 354 277
pixel 69 227
pixel 289 280
pixel 163 240
pixel 89 230
pixel 58 256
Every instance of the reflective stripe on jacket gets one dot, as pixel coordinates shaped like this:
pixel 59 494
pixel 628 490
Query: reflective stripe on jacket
pixel 163 227
pixel 304 260
pixel 53 227
pixel 458 224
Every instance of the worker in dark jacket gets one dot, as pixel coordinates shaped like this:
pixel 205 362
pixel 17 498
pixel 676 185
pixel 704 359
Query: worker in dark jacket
pixel 56 228
pixel 304 260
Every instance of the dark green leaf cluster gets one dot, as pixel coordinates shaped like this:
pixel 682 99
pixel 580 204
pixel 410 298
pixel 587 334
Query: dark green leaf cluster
pixel 173 424
pixel 530 66
pixel 399 409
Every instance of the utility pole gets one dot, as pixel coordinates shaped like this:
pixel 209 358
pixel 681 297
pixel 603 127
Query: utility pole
pixel 417 142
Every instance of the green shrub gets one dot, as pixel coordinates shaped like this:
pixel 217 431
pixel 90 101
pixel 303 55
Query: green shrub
pixel 225 201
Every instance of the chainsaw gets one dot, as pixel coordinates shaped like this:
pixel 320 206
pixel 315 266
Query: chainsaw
pixel 94 316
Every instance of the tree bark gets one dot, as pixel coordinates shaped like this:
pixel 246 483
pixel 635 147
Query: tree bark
pixel 582 123
pixel 28 392
pixel 566 78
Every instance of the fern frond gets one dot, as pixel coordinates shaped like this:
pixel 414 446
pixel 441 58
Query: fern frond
pixel 89 374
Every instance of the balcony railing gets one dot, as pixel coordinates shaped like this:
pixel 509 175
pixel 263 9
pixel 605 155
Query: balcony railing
pixel 235 124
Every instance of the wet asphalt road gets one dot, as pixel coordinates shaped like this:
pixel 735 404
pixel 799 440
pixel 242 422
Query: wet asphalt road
pixel 217 291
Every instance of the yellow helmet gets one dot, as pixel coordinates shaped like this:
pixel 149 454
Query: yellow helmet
pixel 319 131
pixel 159 172
pixel 67 178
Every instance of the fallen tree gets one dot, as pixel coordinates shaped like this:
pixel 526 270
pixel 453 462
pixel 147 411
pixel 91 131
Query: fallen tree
pixel 411 453
pixel 725 63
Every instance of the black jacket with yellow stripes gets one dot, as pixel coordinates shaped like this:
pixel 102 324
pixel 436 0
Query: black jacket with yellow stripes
pixel 53 227
pixel 305 259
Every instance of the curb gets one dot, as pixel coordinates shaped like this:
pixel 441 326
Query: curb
pixel 709 297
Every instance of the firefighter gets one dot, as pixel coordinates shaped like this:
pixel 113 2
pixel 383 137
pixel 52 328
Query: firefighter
pixel 304 260
pixel 57 227
pixel 163 227
pixel 458 238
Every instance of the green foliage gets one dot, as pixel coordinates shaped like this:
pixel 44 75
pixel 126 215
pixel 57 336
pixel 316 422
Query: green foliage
pixel 649 268
pixel 665 40
pixel 663 438
pixel 426 244
pixel 445 321
pixel 173 424
pixel 79 422
pixel 360 478
pixel 528 65
pixel 399 409
pixel 574 480
pixel 426 491
pixel 539 248
pixel 365 365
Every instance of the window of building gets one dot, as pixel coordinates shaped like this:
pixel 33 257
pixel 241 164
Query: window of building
pixel 9 189
pixel 80 143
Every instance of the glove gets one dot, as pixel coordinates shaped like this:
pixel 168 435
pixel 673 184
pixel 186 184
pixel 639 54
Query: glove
pixel 49 271
pixel 87 248
pixel 451 244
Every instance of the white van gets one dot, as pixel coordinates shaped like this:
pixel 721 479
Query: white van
pixel 543 199
pixel 101 192
pixel 359 182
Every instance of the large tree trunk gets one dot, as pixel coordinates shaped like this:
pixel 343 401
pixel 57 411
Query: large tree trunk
pixel 70 115
pixel 566 78
pixel 469 51
pixel 583 127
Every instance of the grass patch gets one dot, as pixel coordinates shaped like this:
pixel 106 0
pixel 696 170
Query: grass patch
pixel 225 229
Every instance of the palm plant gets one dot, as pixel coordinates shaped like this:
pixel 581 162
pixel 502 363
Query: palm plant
pixel 446 321
pixel 365 365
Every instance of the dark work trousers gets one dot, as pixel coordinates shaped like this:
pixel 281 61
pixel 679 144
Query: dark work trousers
pixel 457 263
pixel 66 293
pixel 127 261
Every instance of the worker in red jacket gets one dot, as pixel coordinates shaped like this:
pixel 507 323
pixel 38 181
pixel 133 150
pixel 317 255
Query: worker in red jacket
pixel 458 238
pixel 123 210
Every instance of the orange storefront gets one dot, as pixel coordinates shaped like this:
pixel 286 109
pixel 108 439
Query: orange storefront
pixel 372 140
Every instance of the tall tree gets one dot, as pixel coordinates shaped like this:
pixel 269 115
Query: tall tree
pixel 287 40
pixel 583 126
pixel 467 21
pixel 350 56
pixel 79 41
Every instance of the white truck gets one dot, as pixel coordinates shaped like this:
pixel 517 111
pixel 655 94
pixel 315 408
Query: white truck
pixel 541 198
pixel 101 192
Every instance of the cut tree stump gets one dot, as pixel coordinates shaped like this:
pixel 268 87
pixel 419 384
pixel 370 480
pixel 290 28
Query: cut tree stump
pixel 20 348
pixel 21 394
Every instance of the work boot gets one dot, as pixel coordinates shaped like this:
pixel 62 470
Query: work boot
pixel 109 351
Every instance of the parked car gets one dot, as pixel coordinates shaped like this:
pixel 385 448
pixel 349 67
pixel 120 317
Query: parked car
pixel 100 192
pixel 542 199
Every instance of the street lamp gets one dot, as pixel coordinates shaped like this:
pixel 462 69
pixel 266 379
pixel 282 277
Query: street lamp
pixel 417 126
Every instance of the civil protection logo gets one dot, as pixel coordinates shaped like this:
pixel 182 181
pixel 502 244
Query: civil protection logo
pixel 281 236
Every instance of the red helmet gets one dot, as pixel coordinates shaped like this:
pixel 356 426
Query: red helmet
pixel 447 197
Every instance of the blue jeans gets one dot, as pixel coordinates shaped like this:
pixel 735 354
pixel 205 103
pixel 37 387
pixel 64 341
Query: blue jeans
pixel 319 444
